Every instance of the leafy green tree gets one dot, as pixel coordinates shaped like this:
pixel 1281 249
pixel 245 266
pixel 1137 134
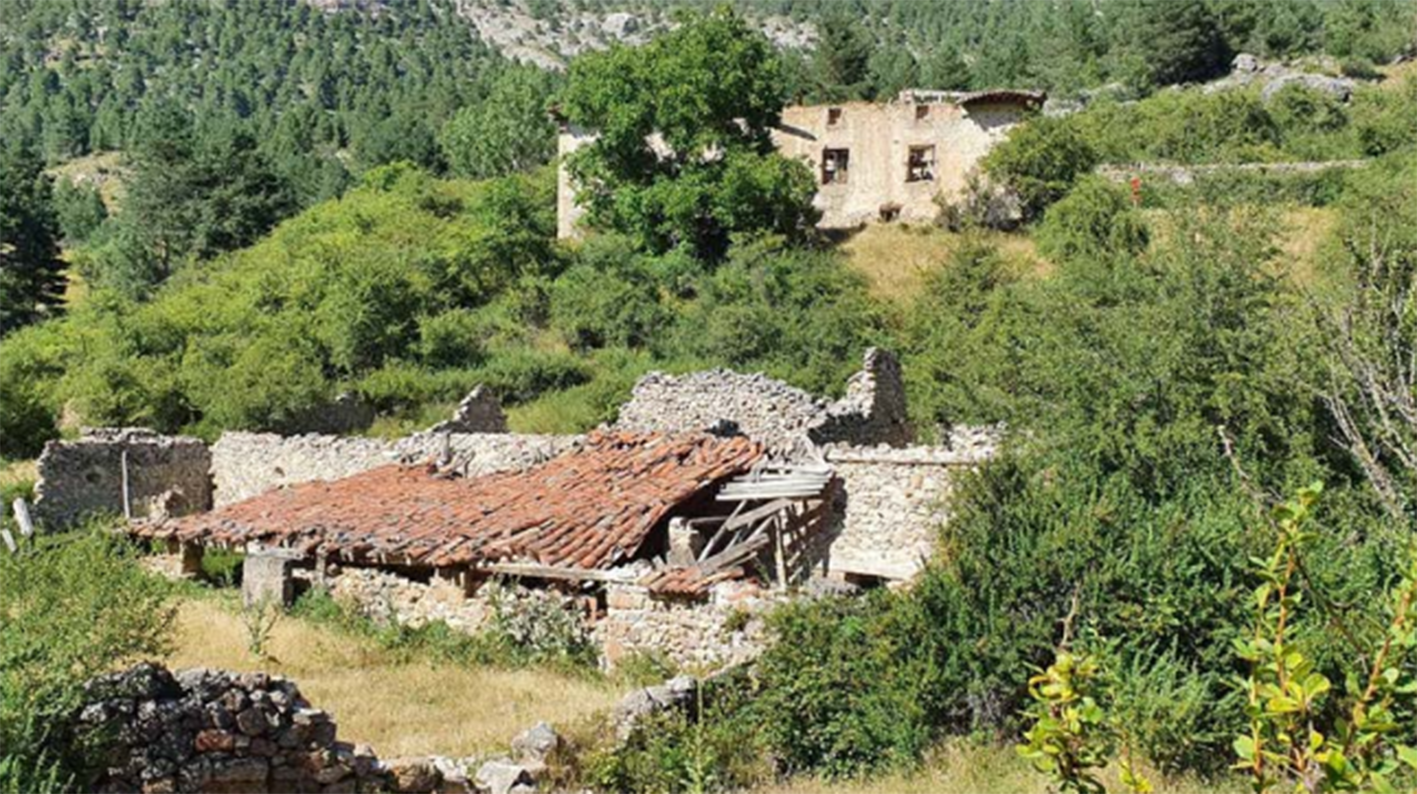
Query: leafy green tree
pixel 31 273
pixel 507 132
pixel 1039 161
pixel 709 91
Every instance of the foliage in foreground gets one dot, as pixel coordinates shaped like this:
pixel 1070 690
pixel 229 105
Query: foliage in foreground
pixel 74 606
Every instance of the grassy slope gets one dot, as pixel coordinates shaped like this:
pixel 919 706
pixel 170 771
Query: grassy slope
pixel 896 259
pixel 397 708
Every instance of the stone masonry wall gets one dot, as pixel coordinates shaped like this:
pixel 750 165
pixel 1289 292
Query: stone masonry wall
pixel 203 730
pixel 385 596
pixel 872 412
pixel 167 475
pixel 725 631
pixel 896 501
pixel 246 464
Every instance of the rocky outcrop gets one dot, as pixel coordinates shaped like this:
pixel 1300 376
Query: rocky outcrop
pixel 551 40
pixel 1248 70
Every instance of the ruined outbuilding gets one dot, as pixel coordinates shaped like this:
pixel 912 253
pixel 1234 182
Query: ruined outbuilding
pixel 715 495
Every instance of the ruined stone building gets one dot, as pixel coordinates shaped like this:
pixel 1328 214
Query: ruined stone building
pixel 715 494
pixel 874 162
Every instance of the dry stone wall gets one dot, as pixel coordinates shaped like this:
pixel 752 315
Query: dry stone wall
pixel 895 502
pixel 872 412
pixel 166 475
pixel 246 464
pixel 385 596
pixel 726 631
pixel 203 730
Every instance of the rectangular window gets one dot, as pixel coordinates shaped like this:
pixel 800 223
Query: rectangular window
pixel 833 116
pixel 922 112
pixel 835 165
pixel 921 165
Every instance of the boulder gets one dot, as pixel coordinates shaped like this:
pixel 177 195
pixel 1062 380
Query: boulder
pixel 534 746
pixel 502 776
pixel 677 694
pixel 412 775
pixel 1340 88
pixel 620 25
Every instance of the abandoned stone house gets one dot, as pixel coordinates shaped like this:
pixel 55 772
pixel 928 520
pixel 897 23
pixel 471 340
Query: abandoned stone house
pixel 874 162
pixel 714 494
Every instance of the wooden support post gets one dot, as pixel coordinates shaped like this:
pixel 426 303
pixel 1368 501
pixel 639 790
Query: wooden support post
pixel 781 526
pixel 22 517
pixel 127 496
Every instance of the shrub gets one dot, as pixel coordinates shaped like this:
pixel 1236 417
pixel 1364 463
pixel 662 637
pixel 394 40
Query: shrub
pixel 1096 219
pixel 75 606
pixel 817 710
pixel 592 308
pixel 713 747
pixel 452 339
pixel 1039 161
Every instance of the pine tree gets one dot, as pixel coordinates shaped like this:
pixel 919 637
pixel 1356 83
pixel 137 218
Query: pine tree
pixel 31 273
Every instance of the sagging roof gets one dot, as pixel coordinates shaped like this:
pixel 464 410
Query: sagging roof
pixel 592 507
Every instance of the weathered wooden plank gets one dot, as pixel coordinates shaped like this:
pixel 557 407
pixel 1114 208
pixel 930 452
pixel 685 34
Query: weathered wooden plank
pixel 554 572
pixel 22 517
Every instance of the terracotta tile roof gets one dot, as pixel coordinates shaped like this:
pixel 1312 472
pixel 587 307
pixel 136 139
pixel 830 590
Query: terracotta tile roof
pixel 591 507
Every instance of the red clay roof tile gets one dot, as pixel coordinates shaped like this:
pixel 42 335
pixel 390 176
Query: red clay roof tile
pixel 591 507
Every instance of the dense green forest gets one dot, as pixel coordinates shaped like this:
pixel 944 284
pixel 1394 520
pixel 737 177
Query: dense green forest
pixel 877 48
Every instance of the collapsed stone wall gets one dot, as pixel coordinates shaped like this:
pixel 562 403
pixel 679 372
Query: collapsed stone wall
pixel 206 730
pixel 872 412
pixel 244 465
pixel 166 475
pixel 896 500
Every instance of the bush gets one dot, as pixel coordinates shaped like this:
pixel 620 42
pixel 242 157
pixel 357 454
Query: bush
pixel 1096 219
pixel 75 606
pixel 1039 162
pixel 713 747
pixel 593 307
pixel 846 687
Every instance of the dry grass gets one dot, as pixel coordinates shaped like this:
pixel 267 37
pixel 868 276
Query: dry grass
pixel 965 768
pixel 896 258
pixel 1306 229
pixel 399 709
pixel 20 472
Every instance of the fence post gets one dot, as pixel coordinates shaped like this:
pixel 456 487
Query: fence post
pixel 22 517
